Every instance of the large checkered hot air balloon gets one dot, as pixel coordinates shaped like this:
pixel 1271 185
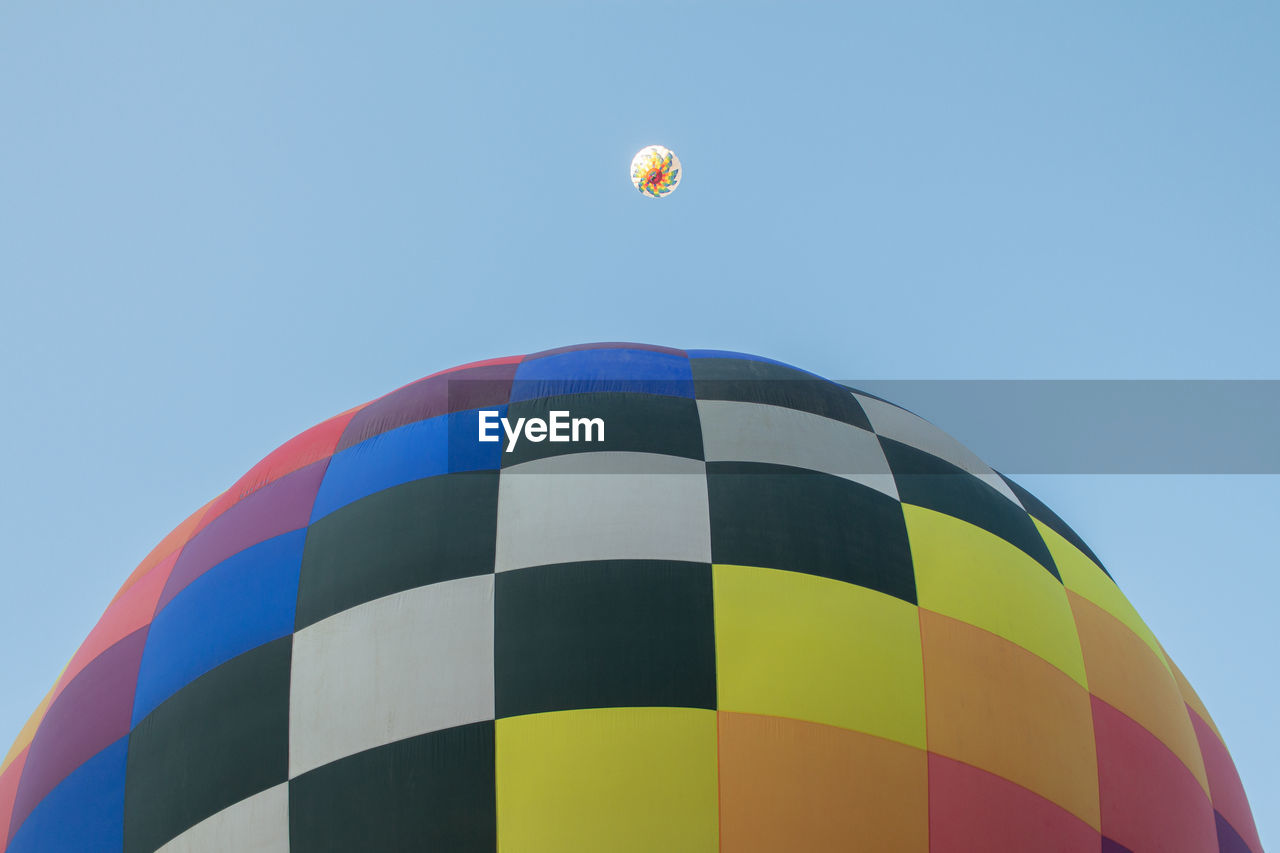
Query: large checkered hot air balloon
pixel 752 611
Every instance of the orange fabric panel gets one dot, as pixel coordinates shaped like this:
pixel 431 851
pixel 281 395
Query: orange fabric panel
pixel 1191 697
pixel 1126 674
pixel 169 546
pixel 997 706
pixel 793 785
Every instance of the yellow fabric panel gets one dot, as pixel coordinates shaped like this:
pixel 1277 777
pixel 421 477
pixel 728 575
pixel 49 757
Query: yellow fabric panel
pixel 1083 576
pixel 1191 697
pixel 997 706
pixel 1124 674
pixel 810 648
pixel 792 785
pixel 975 576
pixel 630 780
pixel 29 728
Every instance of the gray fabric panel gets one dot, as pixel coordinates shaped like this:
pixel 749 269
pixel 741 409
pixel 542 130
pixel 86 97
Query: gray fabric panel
pixel 899 424
pixel 259 824
pixel 403 665
pixel 603 506
pixel 749 432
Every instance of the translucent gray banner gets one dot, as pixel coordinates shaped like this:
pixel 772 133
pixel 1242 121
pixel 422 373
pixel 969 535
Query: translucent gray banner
pixel 1102 426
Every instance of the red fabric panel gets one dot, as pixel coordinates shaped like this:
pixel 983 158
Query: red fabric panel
pixel 9 790
pixel 168 547
pixel 1224 783
pixel 130 611
pixel 971 809
pixel 298 452
pixel 488 362
pixel 1150 800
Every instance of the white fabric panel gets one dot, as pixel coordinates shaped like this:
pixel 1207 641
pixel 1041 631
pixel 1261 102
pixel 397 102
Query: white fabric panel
pixel 899 424
pixel 409 663
pixel 748 432
pixel 259 824
pixel 602 506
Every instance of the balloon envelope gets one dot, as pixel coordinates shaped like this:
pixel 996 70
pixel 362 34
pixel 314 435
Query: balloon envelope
pixel 753 611
pixel 655 171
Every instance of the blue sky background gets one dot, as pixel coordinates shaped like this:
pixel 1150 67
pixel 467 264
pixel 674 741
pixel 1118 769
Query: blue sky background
pixel 221 223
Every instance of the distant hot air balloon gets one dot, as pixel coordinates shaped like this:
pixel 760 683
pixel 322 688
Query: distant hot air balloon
pixel 754 611
pixel 655 171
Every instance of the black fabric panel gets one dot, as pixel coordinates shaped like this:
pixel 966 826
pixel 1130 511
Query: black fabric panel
pixel 780 517
pixel 749 381
pixel 430 792
pixel 435 529
pixel 925 480
pixel 220 739
pixel 1051 520
pixel 612 633
pixel 643 423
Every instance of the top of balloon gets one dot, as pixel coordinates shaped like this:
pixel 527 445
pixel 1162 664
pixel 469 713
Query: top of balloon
pixel 655 171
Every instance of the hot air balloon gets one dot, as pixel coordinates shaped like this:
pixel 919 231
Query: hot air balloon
pixel 755 610
pixel 655 171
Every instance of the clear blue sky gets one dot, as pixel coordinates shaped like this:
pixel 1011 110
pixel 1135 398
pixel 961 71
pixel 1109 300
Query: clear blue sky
pixel 221 223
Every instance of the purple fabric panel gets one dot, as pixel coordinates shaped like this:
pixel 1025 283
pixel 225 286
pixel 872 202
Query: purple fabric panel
pixel 605 345
pixel 1109 846
pixel 1229 841
pixel 92 713
pixel 455 391
pixel 276 508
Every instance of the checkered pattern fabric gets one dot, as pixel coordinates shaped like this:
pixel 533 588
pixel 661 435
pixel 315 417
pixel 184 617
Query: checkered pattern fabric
pixel 767 612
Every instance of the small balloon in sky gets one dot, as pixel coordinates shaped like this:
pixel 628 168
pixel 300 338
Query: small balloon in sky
pixel 655 171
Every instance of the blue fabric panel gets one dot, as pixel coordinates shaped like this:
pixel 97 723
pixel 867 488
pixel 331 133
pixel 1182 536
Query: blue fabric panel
pixel 586 371
pixel 85 812
pixel 238 605
pixel 439 445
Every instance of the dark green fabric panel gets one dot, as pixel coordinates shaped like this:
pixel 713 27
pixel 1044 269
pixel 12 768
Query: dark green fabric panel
pixel 220 739
pixel 435 529
pixel 780 517
pixel 925 480
pixel 1052 520
pixel 750 381
pixel 426 793
pixel 612 633
pixel 642 423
